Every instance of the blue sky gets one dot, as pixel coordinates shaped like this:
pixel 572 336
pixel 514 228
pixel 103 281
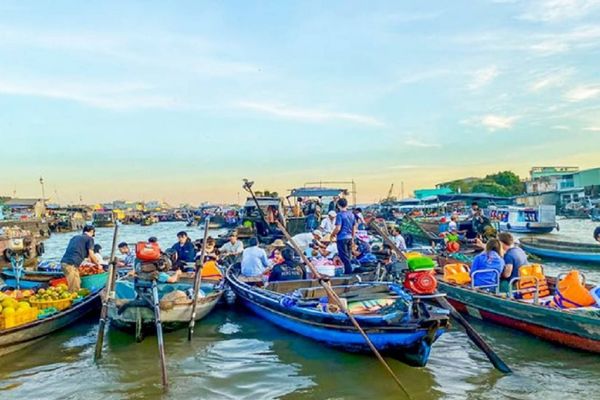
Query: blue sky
pixel 179 101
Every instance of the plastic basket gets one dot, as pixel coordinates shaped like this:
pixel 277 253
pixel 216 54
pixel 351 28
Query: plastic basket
pixel 59 304
pixel 420 264
pixel 94 282
pixel 18 318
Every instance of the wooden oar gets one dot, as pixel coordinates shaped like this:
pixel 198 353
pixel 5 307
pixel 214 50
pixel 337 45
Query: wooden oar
pixel 471 332
pixel 198 280
pixel 159 335
pixel 333 295
pixel 112 272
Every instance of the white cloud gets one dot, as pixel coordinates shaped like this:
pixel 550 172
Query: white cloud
pixel 558 10
pixel 550 80
pixel 560 128
pixel 495 122
pixel 109 96
pixel 483 77
pixel 592 129
pixel 308 115
pixel 581 93
pixel 413 142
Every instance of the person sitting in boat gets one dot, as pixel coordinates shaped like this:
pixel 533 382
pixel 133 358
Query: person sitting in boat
pixel 288 269
pixel 329 248
pixel 514 258
pixel 254 259
pixel 274 250
pixel 99 258
pixel 398 239
pixel 361 252
pixel 360 219
pixel 304 240
pixel 597 234
pixel 233 248
pixel 186 252
pixel 328 224
pixel 492 263
pixel 129 260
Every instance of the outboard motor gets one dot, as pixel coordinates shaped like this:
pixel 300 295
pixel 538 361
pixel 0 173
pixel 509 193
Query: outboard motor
pixel 420 278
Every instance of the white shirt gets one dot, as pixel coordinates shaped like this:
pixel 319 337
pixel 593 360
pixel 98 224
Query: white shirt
pixel 229 248
pixel 452 225
pixel 303 240
pixel 399 242
pixel 327 225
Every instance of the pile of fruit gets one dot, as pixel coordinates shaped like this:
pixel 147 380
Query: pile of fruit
pixel 14 312
pixel 90 269
pixel 54 293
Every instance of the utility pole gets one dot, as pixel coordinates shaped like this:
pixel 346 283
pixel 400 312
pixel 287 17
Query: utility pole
pixel 43 194
pixel 402 190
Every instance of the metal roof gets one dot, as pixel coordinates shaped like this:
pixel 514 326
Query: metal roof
pixel 22 202
pixel 316 192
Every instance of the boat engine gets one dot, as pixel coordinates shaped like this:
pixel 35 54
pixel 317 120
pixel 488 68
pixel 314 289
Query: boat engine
pixel 420 282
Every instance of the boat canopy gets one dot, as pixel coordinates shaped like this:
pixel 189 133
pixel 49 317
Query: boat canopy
pixel 317 192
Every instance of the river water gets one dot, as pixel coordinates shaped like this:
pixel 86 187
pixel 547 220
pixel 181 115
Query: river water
pixel 236 355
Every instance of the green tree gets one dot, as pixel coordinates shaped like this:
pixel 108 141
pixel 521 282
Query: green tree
pixel 491 187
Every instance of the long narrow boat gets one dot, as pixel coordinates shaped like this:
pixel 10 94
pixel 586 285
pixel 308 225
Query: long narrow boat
pixel 16 338
pixel 399 325
pixel 575 328
pixel 125 313
pixel 589 253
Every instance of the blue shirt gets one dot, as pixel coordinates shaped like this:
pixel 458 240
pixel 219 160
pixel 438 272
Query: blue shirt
pixel 485 261
pixel 517 257
pixel 346 220
pixel 186 252
pixel 78 248
pixel 254 261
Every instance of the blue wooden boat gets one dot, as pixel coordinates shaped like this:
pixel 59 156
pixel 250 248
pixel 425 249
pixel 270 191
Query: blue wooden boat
pixel 399 325
pixel 571 251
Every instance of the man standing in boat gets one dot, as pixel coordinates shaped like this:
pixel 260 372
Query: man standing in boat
pixel 345 232
pixel 79 248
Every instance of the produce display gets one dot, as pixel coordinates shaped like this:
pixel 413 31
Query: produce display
pixel 18 307
pixel 90 269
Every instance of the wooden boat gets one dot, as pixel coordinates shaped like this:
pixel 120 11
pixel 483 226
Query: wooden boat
pixel 571 251
pixel 575 328
pixel 103 219
pixel 404 330
pixel 16 338
pixel 125 313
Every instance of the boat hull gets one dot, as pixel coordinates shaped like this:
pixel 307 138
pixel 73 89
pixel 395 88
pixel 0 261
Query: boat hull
pixel 566 328
pixel 409 343
pixel 561 254
pixel 176 317
pixel 19 337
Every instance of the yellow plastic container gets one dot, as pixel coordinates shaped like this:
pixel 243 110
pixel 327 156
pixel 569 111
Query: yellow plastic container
pixel 19 318
pixel 59 304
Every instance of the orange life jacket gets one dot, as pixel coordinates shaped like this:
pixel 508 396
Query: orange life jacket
pixel 210 270
pixel 571 293
pixel 457 273
pixel 527 283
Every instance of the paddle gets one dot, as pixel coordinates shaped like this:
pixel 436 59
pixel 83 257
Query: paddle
pixel 198 280
pixel 471 332
pixel 333 295
pixel 112 271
